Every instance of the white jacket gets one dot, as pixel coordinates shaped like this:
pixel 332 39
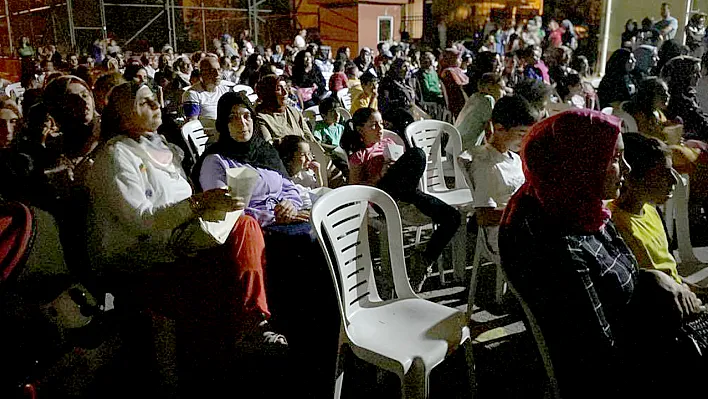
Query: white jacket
pixel 136 202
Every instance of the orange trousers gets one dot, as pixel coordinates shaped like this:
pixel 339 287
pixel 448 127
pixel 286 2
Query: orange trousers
pixel 222 286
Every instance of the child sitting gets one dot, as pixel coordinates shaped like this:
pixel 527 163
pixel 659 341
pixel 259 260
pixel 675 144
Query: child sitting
pixel 338 80
pixel 650 183
pixel 328 131
pixel 295 153
pixel 494 170
pixel 366 95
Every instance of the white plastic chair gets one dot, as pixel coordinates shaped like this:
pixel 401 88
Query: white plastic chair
pixel 345 97
pixel 15 91
pixel 344 115
pixel 676 209
pixel 447 115
pixel 408 335
pixel 312 115
pixel 552 391
pixel 244 88
pixel 427 136
pixel 195 136
pixel 250 93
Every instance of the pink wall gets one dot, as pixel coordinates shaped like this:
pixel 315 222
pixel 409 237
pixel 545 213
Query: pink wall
pixel 368 20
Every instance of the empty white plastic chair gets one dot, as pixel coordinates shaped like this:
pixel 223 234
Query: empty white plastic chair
pixel 345 97
pixel 427 135
pixel 408 335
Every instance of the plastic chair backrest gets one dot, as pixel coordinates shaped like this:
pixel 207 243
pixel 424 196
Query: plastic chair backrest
pixel 427 136
pixel 344 115
pixel 340 219
pixel 683 234
pixel 540 343
pixel 15 91
pixel 194 134
pixel 387 134
pixel 345 97
pixel 312 115
pixel 244 88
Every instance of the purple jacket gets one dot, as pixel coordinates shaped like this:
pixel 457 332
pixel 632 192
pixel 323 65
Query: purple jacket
pixel 271 188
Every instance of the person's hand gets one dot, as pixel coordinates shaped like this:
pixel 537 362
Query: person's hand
pixel 683 301
pixel 219 199
pixel 285 212
pixel 314 166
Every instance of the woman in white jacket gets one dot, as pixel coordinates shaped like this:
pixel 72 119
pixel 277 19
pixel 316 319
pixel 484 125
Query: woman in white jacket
pixel 140 196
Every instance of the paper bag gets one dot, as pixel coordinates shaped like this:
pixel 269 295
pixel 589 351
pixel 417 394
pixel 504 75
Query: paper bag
pixel 208 231
pixel 241 182
pixel 393 151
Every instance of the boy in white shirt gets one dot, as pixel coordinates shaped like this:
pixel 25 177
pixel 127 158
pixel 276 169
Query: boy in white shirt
pixel 494 170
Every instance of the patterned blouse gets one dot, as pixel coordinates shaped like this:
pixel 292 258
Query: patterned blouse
pixel 581 289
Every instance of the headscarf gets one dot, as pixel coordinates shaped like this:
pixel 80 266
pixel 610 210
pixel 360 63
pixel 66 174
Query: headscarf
pixel 449 63
pixel 120 109
pixel 266 89
pixel 255 152
pixel 565 160
pixel 615 84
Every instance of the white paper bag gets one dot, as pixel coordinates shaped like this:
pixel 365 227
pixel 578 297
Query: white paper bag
pixel 241 182
pixel 393 151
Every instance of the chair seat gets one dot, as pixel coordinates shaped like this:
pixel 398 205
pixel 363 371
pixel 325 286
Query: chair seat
pixel 459 198
pixel 404 329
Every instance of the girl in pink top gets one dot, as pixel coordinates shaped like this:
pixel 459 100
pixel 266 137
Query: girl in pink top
pixel 363 140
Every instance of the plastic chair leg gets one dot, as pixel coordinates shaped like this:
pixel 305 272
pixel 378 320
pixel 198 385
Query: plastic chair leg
pixel 339 369
pixel 500 286
pixel 415 382
pixel 471 376
pixel 459 253
pixel 339 378
pixel 476 263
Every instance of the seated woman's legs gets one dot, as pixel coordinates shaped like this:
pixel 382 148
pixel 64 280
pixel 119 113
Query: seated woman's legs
pixel 302 297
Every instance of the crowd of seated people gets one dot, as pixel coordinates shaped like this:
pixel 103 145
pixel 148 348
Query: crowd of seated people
pixel 96 144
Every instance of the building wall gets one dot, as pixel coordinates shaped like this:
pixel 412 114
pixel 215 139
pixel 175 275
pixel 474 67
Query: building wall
pixel 368 22
pixel 306 14
pixel 339 27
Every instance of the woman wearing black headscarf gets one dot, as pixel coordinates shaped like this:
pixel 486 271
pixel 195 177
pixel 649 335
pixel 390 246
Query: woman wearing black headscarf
pixel 618 85
pixel 294 258
pixel 308 78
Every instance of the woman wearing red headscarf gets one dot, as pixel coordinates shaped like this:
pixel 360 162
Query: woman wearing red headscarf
pixel 454 79
pixel 607 325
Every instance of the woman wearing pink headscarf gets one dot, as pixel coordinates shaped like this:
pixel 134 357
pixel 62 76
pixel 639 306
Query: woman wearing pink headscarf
pixel 610 328
pixel 454 79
